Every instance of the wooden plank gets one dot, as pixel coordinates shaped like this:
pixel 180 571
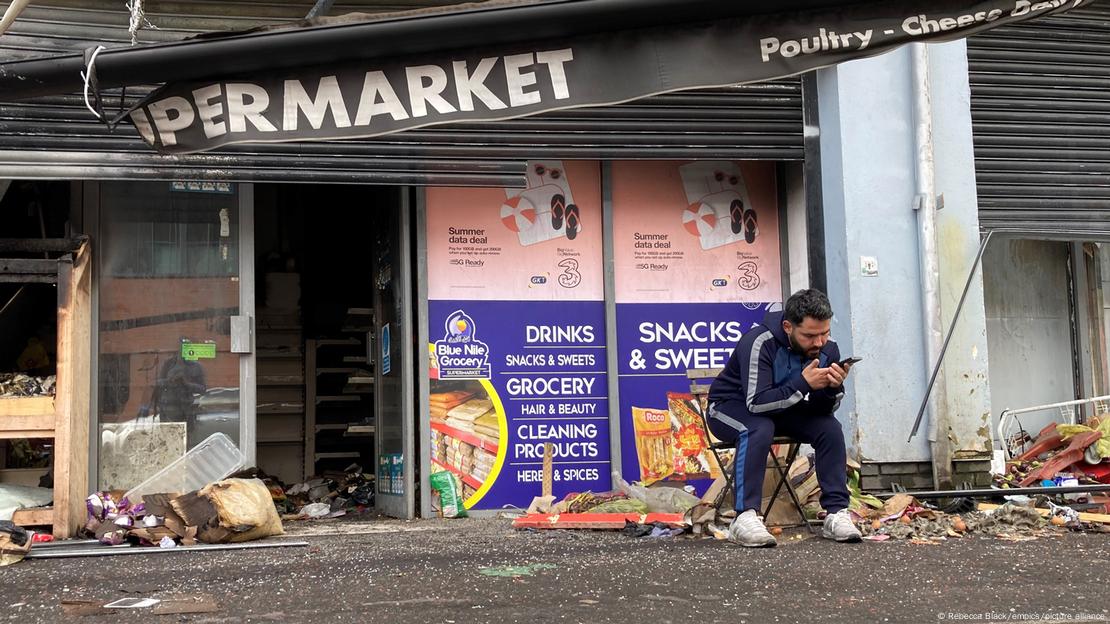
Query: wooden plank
pixel 26 406
pixel 29 266
pixel 22 476
pixel 1083 516
pixel 702 373
pixel 594 520
pixel 41 244
pixel 37 428
pixel 74 360
pixel 9 278
pixel 37 516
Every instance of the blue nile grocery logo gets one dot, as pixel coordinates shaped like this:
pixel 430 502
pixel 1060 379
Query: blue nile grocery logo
pixel 460 355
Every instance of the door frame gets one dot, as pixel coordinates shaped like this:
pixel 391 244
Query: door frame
pixel 401 335
pixel 248 380
pixel 89 224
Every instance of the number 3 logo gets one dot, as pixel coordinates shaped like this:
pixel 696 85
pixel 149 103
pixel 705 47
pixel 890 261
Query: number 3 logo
pixel 570 277
pixel 749 279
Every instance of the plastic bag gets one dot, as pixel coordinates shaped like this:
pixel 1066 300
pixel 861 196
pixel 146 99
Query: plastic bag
pixel 627 505
pixel 450 503
pixel 316 510
pixel 244 508
pixel 658 500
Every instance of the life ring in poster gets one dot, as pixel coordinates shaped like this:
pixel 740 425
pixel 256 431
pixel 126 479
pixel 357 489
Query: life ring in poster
pixel 545 209
pixel 720 210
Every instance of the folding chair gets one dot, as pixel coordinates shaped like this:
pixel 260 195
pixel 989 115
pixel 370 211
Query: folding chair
pixel 700 391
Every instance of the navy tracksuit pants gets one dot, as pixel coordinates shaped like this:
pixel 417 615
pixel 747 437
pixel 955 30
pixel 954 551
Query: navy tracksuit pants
pixel 753 444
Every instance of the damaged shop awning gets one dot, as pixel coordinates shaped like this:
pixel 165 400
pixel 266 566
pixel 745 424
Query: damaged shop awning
pixel 488 61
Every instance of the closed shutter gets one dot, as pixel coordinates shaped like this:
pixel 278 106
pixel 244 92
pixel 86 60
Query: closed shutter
pixel 57 138
pixel 1040 107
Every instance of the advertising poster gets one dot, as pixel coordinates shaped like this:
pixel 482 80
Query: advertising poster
pixel 697 265
pixel 517 335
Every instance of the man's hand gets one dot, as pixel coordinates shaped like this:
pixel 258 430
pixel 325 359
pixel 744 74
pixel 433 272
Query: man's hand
pixel 837 374
pixel 817 378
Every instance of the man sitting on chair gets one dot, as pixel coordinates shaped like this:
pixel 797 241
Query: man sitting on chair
pixel 784 377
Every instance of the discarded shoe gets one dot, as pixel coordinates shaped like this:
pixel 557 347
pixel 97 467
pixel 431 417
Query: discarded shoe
pixel 748 530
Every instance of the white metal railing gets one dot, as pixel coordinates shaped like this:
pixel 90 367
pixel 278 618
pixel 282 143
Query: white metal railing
pixel 1066 410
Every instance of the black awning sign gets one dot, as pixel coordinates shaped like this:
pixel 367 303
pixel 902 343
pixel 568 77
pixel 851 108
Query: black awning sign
pixel 372 98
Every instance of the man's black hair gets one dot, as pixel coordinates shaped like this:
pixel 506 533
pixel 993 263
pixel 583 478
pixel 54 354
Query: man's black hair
pixel 810 302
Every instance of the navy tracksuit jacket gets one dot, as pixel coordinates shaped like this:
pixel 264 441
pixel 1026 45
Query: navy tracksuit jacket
pixel 761 393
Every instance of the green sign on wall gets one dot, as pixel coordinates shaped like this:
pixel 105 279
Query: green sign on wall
pixel 193 351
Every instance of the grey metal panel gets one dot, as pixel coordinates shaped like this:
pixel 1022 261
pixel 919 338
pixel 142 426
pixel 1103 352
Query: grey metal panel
pixel 57 138
pixel 1040 98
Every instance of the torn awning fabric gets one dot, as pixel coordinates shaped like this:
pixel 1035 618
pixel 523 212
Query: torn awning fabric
pixel 368 98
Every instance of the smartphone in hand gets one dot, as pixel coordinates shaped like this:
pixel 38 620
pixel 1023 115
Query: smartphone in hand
pixel 849 361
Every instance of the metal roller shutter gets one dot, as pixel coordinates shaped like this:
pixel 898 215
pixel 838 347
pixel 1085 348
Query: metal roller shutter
pixel 58 138
pixel 1040 107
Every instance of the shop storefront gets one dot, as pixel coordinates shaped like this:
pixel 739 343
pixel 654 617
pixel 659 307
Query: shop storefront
pixel 460 295
pixel 569 312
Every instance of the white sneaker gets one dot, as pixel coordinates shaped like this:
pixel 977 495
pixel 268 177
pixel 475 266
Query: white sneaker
pixel 748 530
pixel 839 527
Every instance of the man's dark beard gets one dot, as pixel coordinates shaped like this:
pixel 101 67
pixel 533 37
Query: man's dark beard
pixel 797 348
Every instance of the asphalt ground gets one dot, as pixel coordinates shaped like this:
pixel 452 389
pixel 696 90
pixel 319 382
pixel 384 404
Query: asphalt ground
pixel 484 571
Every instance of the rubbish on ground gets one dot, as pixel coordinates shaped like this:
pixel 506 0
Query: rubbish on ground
pixel 1102 425
pixel 315 510
pixel 446 485
pixel 1081 516
pixel 660 531
pixel 994 492
pixel 604 521
pixel 350 491
pixel 213 459
pixel 103 551
pixel 15 543
pixel 1060 450
pixel 541 504
pixel 132 603
pixel 515 571
pixel 233 510
pixel 657 499
pixel 170 606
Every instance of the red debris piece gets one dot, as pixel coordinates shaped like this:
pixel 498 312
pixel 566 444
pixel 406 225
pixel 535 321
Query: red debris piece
pixel 1047 440
pixel 594 520
pixel 1060 462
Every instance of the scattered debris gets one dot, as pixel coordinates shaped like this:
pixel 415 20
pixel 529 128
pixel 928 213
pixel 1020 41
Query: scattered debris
pixel 515 571
pixel 20 385
pixel 15 543
pixel 99 550
pixel 232 510
pixel 346 492
pixel 1062 454
pixel 600 521
pixel 167 606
